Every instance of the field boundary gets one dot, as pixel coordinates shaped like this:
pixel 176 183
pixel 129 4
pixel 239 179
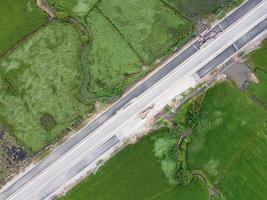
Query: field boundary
pixel 120 33
pixel 175 11
pixel 25 38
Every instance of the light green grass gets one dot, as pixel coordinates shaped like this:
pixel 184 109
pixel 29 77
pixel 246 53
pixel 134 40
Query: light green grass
pixel 17 19
pixel 199 9
pixel 149 26
pixel 227 123
pixel 258 61
pixel 134 174
pixel 111 62
pixel 42 76
pixel 79 8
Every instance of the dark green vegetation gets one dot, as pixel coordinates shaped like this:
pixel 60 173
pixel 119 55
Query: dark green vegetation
pixel 17 19
pixel 198 9
pixel 135 174
pixel 228 143
pixel 39 93
pixel 258 62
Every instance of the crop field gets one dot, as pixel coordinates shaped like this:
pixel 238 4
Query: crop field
pixel 258 61
pixel 247 178
pixel 229 143
pixel 39 93
pixel 228 120
pixel 25 18
pixel 134 173
pixel 198 9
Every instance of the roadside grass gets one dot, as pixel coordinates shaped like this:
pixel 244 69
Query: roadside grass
pixel 227 123
pixel 258 61
pixel 112 64
pixel 199 9
pixel 149 26
pixel 39 93
pixel 136 174
pixel 25 17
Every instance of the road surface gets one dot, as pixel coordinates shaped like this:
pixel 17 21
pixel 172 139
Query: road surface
pixel 100 135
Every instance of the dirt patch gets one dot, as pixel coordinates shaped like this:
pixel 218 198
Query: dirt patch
pixel 48 121
pixel 11 156
pixel 253 78
pixel 45 7
pixel 240 74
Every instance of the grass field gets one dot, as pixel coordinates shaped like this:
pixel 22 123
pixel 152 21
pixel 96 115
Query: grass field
pixel 111 62
pixel 198 9
pixel 39 92
pixel 258 61
pixel 135 174
pixel 25 18
pixel 152 31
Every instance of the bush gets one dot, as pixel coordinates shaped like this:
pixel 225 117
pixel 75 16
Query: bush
pixel 183 177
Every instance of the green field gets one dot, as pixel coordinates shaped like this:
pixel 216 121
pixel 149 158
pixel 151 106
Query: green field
pixel 134 174
pixel 151 31
pixel 199 9
pixel 111 62
pixel 247 178
pixel 228 120
pixel 39 92
pixel 228 143
pixel 258 61
pixel 17 19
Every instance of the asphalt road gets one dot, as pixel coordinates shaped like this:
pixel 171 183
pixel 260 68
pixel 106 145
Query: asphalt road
pixel 98 136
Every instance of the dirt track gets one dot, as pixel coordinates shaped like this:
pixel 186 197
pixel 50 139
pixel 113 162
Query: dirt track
pixel 45 7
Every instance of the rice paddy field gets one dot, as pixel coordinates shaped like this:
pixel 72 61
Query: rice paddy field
pixel 229 143
pixel 135 174
pixel 25 19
